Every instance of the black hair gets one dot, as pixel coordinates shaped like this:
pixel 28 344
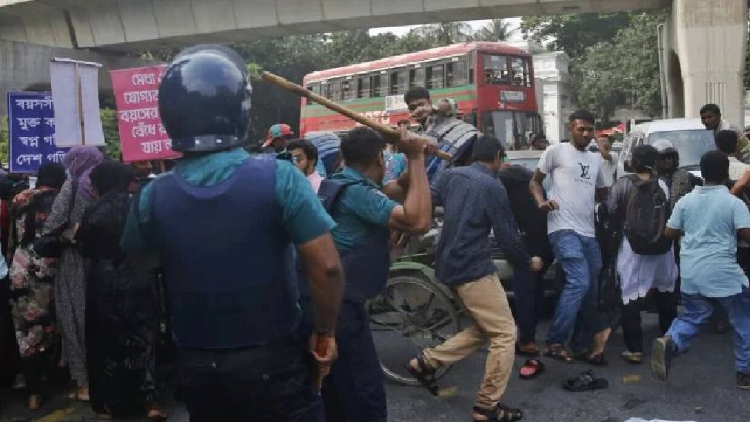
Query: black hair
pixel 584 115
pixel 404 122
pixel 416 93
pixel 644 158
pixel 310 151
pixel 111 176
pixel 51 175
pixel 715 167
pixel 486 148
pixel 711 108
pixel 726 141
pixel 362 146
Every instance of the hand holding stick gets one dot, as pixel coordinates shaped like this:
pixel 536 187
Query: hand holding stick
pixel 345 111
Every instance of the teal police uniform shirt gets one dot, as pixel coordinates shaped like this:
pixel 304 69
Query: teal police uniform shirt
pixel 303 215
pixel 360 206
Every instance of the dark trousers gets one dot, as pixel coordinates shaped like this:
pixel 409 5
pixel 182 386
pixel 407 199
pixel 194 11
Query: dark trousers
pixel 354 391
pixel 666 305
pixel 269 384
pixel 528 293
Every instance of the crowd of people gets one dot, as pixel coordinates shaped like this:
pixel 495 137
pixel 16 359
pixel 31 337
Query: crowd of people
pixel 75 302
pixel 95 242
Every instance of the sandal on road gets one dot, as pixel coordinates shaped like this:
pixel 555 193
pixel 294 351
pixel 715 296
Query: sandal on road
pixel 585 382
pixel 558 352
pixel 425 375
pixel 499 413
pixel 531 369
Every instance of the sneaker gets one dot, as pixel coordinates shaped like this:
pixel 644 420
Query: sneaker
pixel 635 358
pixel 662 354
pixel 743 381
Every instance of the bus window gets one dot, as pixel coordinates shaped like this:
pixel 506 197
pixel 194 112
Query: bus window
pixel 496 69
pixel 375 86
pixel 416 77
pixel 384 84
pixel 456 74
pixel 436 76
pixel 364 87
pixel 314 87
pixel 348 90
pixel 520 72
pixel 334 90
pixel 399 82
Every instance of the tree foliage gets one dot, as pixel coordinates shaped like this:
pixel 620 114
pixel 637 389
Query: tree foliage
pixel 495 30
pixel 614 58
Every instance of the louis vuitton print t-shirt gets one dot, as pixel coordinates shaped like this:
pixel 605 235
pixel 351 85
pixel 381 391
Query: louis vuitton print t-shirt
pixel 575 176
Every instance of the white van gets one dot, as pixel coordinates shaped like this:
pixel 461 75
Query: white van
pixel 689 137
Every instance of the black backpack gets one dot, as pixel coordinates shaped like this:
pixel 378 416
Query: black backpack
pixel 646 217
pixel 330 192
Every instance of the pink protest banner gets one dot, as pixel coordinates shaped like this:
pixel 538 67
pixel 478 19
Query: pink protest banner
pixel 142 134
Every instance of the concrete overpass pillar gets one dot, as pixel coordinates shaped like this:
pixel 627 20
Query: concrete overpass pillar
pixel 709 37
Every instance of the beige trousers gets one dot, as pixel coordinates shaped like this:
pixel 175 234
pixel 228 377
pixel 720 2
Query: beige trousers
pixel 486 303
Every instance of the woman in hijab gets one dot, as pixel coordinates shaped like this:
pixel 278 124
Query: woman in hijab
pixel 32 278
pixel 70 283
pixel 122 310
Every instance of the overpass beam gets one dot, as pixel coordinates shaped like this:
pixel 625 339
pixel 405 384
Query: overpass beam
pixel 710 38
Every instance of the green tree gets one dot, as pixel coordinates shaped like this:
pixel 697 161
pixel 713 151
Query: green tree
pixel 622 71
pixel 574 34
pixel 111 133
pixel 497 30
pixel 4 147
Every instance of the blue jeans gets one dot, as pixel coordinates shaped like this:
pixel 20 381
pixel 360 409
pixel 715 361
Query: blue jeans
pixel 698 311
pixel 581 261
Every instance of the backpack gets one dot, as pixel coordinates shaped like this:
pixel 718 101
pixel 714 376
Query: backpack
pixel 646 216
pixel 330 192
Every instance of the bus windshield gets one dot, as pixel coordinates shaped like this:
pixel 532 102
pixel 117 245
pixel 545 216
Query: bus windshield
pixel 510 127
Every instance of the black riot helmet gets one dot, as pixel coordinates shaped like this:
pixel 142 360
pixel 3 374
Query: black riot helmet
pixel 204 99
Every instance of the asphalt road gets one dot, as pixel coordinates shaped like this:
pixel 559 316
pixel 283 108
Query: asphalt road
pixel 701 389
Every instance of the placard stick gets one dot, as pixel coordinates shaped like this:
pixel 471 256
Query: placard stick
pixel 338 108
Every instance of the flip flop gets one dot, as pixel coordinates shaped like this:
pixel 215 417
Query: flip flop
pixel 585 382
pixel 531 369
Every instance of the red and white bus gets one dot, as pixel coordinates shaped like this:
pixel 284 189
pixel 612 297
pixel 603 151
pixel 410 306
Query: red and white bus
pixel 492 83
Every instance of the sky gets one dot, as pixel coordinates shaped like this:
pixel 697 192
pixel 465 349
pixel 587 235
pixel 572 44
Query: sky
pixel 401 30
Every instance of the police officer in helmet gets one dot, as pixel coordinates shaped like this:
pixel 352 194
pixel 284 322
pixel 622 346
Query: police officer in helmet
pixel 224 224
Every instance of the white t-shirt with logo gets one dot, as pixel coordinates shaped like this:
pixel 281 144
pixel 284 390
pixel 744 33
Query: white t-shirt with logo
pixel 575 176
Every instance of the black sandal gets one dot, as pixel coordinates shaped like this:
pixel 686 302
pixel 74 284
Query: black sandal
pixel 499 414
pixel 425 375
pixel 558 352
pixel 585 382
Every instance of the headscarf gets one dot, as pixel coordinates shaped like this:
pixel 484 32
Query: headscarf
pixel 111 176
pixel 79 162
pixel 51 175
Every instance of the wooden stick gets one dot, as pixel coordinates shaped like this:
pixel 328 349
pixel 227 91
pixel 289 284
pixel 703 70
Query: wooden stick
pixel 338 108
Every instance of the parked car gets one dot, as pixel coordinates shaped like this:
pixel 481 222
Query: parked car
pixel 689 137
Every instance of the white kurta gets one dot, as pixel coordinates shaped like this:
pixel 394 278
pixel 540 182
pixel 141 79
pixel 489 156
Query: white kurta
pixel 641 273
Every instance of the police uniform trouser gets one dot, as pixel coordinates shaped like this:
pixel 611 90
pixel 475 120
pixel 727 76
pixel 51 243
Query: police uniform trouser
pixel 267 384
pixel 354 391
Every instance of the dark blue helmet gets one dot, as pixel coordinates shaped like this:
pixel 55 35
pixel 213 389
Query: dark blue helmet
pixel 204 99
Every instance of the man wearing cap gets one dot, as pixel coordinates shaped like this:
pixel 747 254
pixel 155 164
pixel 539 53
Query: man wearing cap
pixel 224 224
pixel 278 136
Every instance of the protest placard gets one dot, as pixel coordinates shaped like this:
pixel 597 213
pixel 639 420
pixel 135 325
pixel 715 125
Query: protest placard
pixel 75 91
